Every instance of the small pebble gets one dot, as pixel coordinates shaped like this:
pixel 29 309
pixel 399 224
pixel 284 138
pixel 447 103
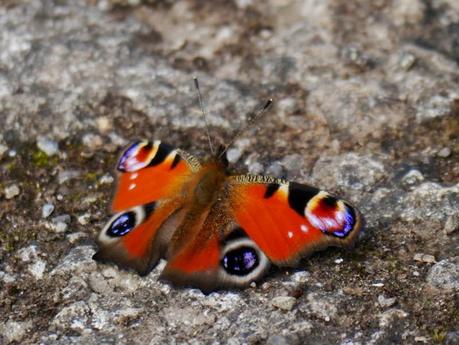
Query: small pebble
pixel 407 61
pixel 233 155
pixel 3 149
pixel 59 227
pixel 92 141
pixel 104 124
pixel 48 146
pixel 445 274
pixel 386 302
pixel 67 175
pixel 47 210
pixel 424 340
pixel 426 258
pixel 444 152
pixel 452 338
pixel 278 340
pixel 12 153
pixel 284 302
pixel 106 179
pixel 339 260
pixel 300 277
pixel 11 191
pixel 255 168
pixel 76 236
pixel 276 170
pixel 452 224
pixel 60 223
pixel 377 284
pixel 412 177
pixel 63 218
pixel 84 219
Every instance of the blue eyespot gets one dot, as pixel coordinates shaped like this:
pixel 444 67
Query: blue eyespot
pixel 240 261
pixel 348 223
pixel 122 225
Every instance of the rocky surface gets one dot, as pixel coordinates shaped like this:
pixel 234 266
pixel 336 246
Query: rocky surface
pixel 366 106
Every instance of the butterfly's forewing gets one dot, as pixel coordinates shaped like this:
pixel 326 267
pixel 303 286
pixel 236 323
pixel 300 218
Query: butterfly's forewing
pixel 288 220
pixel 148 205
pixel 150 171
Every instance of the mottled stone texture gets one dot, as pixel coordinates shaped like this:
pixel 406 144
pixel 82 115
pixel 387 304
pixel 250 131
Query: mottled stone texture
pixel 366 105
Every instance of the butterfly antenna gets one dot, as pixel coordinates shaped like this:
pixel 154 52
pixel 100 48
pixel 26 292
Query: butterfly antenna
pixel 201 104
pixel 249 122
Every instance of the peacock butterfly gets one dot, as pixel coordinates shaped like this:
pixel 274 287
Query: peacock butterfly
pixel 216 230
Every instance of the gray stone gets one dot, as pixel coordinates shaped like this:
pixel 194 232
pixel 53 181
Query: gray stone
pixel 106 179
pixel 430 200
pixel 46 210
pixel 436 107
pixel 48 146
pixel 386 301
pixel 75 317
pixel 444 152
pixel 452 338
pixel 67 175
pixel 276 170
pixel 452 224
pixel 352 172
pixel 413 177
pixel 78 261
pixel 12 191
pixel 425 258
pixel 390 316
pixel 3 149
pixel 84 218
pixel 407 61
pixel 284 302
pixel 255 168
pixel 323 306
pixel 63 218
pixel 445 274
pixel 281 340
pixel 92 141
pixel 233 155
pixel 14 331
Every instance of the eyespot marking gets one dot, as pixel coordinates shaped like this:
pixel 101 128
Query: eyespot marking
pixel 240 261
pixel 122 225
pixel 332 216
pixel 137 156
pixel 349 222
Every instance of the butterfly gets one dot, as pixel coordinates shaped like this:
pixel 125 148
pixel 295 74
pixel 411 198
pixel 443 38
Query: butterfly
pixel 215 229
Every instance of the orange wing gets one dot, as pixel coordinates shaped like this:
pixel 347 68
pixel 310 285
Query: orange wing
pixel 150 171
pixel 288 220
pixel 216 254
pixel 256 221
pixel 148 205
